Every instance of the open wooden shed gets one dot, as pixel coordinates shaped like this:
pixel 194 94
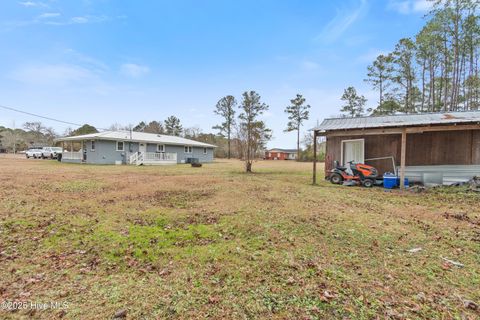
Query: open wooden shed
pixel 429 148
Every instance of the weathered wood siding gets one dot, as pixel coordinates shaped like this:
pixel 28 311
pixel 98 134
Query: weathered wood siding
pixel 429 148
pixel 476 147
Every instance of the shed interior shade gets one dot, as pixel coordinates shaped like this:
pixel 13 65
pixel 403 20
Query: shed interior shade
pixel 403 120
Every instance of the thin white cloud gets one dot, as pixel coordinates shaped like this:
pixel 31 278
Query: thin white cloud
pixel 309 65
pixel 32 4
pixel 410 6
pixel 67 77
pixel 134 70
pixel 82 20
pixel 51 74
pixel 79 20
pixel 371 55
pixel 346 16
pixel 85 60
pixel 49 15
pixel 53 19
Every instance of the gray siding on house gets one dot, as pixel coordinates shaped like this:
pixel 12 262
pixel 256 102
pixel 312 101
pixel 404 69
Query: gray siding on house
pixel 152 147
pixel 106 152
pixel 197 152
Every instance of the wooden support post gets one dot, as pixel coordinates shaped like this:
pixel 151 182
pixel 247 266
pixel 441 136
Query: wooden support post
pixel 403 158
pixel 314 157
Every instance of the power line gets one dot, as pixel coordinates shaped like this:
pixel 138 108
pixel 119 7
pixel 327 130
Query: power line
pixel 40 116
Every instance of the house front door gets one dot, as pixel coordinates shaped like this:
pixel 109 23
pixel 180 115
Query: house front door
pixel 142 147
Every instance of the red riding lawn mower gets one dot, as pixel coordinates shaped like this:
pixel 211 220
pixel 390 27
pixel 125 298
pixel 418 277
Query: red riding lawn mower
pixel 354 174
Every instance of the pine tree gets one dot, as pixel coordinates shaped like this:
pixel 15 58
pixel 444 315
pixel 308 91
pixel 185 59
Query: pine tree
pixel 252 132
pixel 297 114
pixel 380 74
pixel 173 126
pixel 355 104
pixel 225 108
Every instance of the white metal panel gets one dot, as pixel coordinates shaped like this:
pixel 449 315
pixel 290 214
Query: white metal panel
pixel 399 120
pixel 444 174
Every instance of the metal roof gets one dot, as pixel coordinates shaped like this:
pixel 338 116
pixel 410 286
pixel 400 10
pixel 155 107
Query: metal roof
pixel 138 137
pixel 283 150
pixel 402 120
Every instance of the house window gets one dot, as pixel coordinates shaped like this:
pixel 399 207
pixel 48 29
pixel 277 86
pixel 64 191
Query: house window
pixel 188 149
pixel 92 146
pixel 160 148
pixel 204 150
pixel 120 146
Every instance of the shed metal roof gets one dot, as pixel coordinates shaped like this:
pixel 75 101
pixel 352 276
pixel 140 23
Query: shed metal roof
pixel 138 137
pixel 402 120
pixel 283 150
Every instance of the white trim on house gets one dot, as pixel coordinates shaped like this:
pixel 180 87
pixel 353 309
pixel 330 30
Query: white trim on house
pixel 160 148
pixel 187 149
pixel 141 137
pixel 123 145
pixel 352 140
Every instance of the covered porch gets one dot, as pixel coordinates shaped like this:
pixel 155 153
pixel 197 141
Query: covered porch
pixel 428 154
pixel 112 152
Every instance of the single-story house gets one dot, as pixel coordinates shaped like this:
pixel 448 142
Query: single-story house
pixel 428 148
pixel 281 154
pixel 130 147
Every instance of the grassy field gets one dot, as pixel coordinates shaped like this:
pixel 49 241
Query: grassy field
pixel 182 242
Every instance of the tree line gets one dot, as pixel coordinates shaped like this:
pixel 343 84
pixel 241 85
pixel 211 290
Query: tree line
pixel 247 131
pixel 241 134
pixel 31 134
pixel 437 70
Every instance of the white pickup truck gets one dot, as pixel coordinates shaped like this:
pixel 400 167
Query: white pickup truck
pixel 51 152
pixel 33 153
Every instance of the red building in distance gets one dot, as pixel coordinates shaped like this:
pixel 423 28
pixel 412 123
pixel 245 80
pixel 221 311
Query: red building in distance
pixel 281 154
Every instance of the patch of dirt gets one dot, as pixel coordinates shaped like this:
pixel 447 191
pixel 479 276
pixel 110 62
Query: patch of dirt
pixel 202 218
pixel 173 198
pixel 461 216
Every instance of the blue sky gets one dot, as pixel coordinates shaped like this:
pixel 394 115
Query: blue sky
pixel 119 61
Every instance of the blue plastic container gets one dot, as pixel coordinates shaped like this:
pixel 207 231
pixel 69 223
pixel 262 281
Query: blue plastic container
pixel 389 180
pixel 406 182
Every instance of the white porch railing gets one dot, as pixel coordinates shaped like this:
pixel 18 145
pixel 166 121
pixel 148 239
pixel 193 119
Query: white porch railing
pixel 72 155
pixel 133 158
pixel 160 156
pixel 140 158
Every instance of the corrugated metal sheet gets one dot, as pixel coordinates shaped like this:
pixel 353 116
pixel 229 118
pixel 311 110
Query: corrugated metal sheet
pixel 446 175
pixel 137 137
pixel 282 150
pixel 399 120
